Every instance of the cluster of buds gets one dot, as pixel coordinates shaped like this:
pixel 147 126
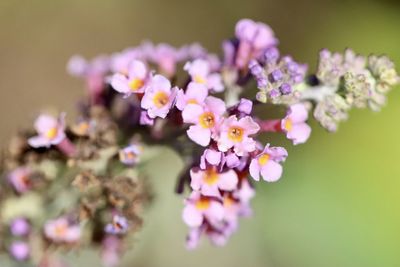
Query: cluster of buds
pixel 348 80
pixel 82 179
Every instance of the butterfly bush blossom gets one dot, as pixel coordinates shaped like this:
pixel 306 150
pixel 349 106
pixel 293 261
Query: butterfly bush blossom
pixel 83 183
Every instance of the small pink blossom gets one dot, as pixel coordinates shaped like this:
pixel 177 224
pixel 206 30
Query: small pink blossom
pixel 164 55
pixel 208 182
pixel 61 230
pixel 121 61
pixel 93 71
pixel 159 97
pixel 294 124
pixel 254 38
pixel 50 131
pixel 195 93
pixel 245 192
pixel 267 164
pixel 199 208
pixel 211 157
pixel 235 134
pixel 206 119
pixel 20 179
pixel 130 155
pixel 200 72
pixel 134 82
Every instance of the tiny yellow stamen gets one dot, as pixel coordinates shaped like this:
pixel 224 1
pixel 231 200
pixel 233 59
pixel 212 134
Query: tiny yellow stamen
pixel 136 84
pixel 228 201
pixel 207 120
pixel 210 176
pixel 235 133
pixel 263 159
pixel 203 204
pixel 52 133
pixel 288 125
pixel 199 79
pixel 192 101
pixel 160 99
pixel 60 230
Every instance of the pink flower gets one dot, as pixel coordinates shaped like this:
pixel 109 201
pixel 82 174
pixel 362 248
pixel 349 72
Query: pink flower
pixel 294 124
pixel 50 131
pixel 61 230
pixel 211 157
pixel 121 61
pixel 159 97
pixel 20 179
pixel 208 182
pixel 134 82
pixel 206 119
pixel 195 93
pixel 164 55
pixel 235 133
pixel 245 192
pixel 254 38
pixel 199 208
pixel 130 155
pixel 267 163
pixel 199 70
pixel 93 71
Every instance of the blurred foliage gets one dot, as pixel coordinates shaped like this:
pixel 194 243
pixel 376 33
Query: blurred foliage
pixel 337 204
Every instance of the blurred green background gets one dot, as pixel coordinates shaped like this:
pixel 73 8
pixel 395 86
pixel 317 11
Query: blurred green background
pixel 338 201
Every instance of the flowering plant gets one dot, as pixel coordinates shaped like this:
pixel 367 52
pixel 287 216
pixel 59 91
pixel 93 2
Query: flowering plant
pixel 74 185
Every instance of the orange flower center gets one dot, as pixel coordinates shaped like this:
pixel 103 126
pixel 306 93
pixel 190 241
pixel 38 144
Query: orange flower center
pixel 263 159
pixel 199 79
pixel 228 201
pixel 203 203
pixel 160 99
pixel 235 133
pixel 136 84
pixel 288 125
pixel 60 229
pixel 207 120
pixel 52 133
pixel 192 101
pixel 210 176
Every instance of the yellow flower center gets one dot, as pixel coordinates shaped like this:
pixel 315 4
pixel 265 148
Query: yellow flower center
pixel 210 176
pixel 192 101
pixel 228 201
pixel 199 79
pixel 263 159
pixel 288 125
pixel 203 203
pixel 60 229
pixel 207 120
pixel 235 133
pixel 160 99
pixel 136 84
pixel 52 133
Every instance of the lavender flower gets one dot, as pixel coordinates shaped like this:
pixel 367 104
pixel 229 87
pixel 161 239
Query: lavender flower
pixel 19 250
pixel 119 225
pixel 20 227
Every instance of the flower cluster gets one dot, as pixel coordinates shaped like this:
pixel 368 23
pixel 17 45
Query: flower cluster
pixel 81 184
pixel 348 80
